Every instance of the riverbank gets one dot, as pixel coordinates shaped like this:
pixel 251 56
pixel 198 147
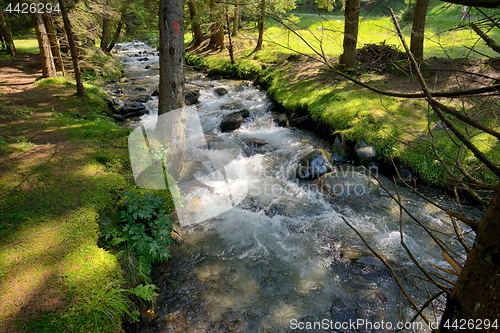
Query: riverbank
pixel 63 165
pixel 397 127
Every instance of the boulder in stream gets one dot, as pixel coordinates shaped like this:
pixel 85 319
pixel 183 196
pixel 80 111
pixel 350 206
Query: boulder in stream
pixel 221 91
pixel 314 164
pixel 244 113
pixel 348 181
pixel 282 120
pixel 339 154
pixel 191 97
pixel 142 98
pixel 365 153
pixel 231 122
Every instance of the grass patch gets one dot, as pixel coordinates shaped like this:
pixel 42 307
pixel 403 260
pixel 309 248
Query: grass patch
pixel 397 127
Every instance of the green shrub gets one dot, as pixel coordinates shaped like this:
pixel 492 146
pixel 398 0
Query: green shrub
pixel 142 233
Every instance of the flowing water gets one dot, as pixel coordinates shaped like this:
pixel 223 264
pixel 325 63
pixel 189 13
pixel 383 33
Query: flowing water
pixel 283 257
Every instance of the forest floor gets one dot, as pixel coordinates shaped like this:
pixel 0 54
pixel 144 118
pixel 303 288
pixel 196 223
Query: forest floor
pixel 60 169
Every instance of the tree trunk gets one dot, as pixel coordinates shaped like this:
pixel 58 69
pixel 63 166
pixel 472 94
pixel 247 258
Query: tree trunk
pixel 118 31
pixel 9 42
pixel 489 41
pixel 54 45
pixel 105 33
pixel 261 24
pixel 2 40
pixel 73 50
pixel 476 294
pixel 236 18
pixel 348 58
pixel 171 96
pixel 418 29
pixel 195 23
pixel 230 48
pixel 217 30
pixel 48 67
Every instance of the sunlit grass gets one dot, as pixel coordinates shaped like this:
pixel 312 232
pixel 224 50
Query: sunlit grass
pixel 27 45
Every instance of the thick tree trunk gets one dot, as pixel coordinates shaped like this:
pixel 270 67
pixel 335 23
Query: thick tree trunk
pixel 118 31
pixel 476 294
pixel 217 30
pixel 48 67
pixel 418 29
pixel 72 48
pixel 348 58
pixel 261 25
pixel 9 42
pixel 54 45
pixel 105 33
pixel 195 23
pixel 171 97
pixel 236 20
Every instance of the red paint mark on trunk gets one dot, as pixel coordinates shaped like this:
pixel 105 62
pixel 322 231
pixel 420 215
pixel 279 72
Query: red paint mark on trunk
pixel 176 27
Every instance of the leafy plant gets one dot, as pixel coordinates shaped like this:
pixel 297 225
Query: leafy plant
pixel 145 292
pixel 142 233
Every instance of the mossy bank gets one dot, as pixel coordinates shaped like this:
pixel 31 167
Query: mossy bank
pixel 64 166
pixel 397 127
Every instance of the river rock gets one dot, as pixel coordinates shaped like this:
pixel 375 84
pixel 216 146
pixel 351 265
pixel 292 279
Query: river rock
pixel 406 177
pixel 365 153
pixel 134 110
pixel 231 122
pixel 147 67
pixel 244 113
pixel 346 182
pixel 191 97
pixel 117 117
pixel 339 154
pixel 221 91
pixel 314 164
pixel 142 98
pixel 282 120
pixel 155 92
pixel 257 143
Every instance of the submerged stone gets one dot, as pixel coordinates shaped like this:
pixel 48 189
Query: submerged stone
pixel 314 164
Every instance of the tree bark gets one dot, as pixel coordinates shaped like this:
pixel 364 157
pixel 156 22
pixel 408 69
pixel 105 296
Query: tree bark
pixel 348 57
pixel 236 20
pixel 105 33
pixel 489 41
pixel 171 94
pixel 72 47
pixel 418 29
pixel 54 45
pixel 118 31
pixel 9 42
pixel 217 30
pixel 230 48
pixel 48 66
pixel 195 23
pixel 476 294
pixel 261 24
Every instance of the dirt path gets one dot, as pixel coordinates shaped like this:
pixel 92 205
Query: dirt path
pixel 47 184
